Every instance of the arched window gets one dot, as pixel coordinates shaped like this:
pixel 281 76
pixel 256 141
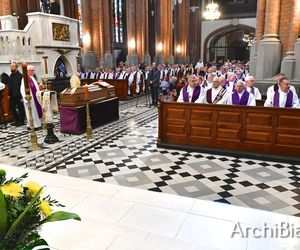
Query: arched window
pixel 119 21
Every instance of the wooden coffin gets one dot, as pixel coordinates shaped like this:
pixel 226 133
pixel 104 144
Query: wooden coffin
pixel 71 97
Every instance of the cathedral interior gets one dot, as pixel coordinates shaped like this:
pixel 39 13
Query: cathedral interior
pixel 146 173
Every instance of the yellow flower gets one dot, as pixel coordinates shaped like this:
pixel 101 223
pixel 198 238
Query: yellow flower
pixel 33 187
pixel 45 208
pixel 12 189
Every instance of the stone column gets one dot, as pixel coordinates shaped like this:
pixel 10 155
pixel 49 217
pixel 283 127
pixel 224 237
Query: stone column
pixel 132 7
pixel 269 48
pixel 194 46
pixel 107 26
pixel 164 33
pixel 142 31
pixel 260 26
pixel 181 31
pixel 297 56
pixel 89 58
pixel 289 61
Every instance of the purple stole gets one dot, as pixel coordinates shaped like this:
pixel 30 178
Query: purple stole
pixel 252 90
pixel 236 98
pixel 33 93
pixel 288 102
pixel 195 96
pixel 209 96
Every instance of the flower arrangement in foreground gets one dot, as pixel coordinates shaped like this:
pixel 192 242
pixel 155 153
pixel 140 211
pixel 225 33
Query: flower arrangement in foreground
pixel 23 210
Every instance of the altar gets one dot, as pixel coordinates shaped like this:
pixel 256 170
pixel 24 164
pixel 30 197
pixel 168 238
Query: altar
pixel 73 118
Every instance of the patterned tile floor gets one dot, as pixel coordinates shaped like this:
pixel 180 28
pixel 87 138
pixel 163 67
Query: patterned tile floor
pixel 125 153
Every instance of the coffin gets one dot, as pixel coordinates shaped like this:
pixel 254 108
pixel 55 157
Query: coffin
pixel 98 91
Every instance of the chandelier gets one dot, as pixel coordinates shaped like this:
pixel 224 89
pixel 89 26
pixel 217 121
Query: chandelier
pixel 212 11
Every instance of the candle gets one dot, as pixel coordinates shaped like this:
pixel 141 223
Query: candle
pixel 41 87
pixel 86 91
pixel 25 77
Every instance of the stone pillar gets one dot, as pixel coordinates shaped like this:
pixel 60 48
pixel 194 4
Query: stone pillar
pixel 181 31
pixel 95 37
pixel 164 34
pixel 260 26
pixel 269 48
pixel 289 61
pixel 147 57
pixel 132 7
pixel 297 56
pixel 107 26
pixel 89 59
pixel 194 46
pixel 142 31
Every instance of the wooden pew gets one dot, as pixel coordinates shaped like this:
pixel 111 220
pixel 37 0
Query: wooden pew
pixel 274 131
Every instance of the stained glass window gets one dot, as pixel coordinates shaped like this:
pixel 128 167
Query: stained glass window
pixel 119 23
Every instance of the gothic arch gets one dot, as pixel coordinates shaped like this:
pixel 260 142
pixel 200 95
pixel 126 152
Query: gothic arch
pixel 65 61
pixel 223 31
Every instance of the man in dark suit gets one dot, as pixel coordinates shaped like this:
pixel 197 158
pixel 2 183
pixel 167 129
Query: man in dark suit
pixel 153 77
pixel 15 101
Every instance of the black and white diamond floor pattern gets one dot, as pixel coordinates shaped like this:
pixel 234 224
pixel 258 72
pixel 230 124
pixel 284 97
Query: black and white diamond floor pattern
pixel 125 153
pixel 131 158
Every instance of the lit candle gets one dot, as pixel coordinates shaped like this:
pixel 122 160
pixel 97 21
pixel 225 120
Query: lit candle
pixel 41 87
pixel 25 77
pixel 86 91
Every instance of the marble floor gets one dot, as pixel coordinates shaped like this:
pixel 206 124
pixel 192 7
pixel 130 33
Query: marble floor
pixel 119 217
pixel 124 153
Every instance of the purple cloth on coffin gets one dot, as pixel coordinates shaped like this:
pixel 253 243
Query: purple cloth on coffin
pixel 208 96
pixel 73 119
pixel 236 98
pixel 288 102
pixel 195 96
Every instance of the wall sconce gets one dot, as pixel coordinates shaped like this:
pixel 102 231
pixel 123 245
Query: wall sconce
pixel 86 39
pixel 178 49
pixel 131 44
pixel 159 47
pixel 152 12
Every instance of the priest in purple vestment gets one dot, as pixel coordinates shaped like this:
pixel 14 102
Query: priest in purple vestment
pixel 192 92
pixel 283 97
pixel 240 96
pixel 35 105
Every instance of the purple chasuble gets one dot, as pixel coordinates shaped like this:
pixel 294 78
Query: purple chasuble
pixel 288 102
pixel 195 96
pixel 209 96
pixel 33 93
pixel 236 98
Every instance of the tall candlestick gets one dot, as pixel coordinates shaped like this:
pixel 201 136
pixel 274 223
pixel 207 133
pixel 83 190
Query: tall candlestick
pixel 25 76
pixel 86 91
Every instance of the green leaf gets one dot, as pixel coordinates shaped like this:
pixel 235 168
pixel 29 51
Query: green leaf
pixel 3 216
pixel 21 217
pixel 37 243
pixel 61 215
